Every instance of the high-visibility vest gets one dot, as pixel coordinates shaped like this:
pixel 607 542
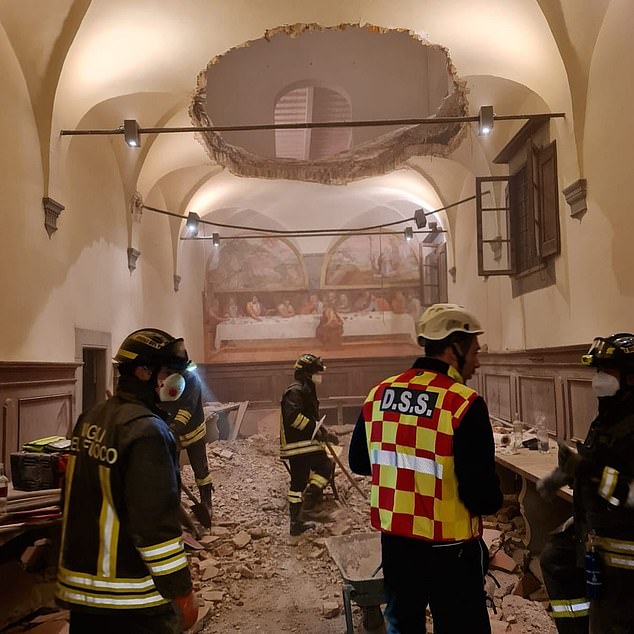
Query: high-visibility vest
pixel 410 422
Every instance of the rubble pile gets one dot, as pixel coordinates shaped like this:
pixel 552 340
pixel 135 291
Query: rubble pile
pixel 514 582
pixel 249 542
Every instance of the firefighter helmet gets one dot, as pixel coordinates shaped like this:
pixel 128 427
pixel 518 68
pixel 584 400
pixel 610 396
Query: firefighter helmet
pixel 153 347
pixel 615 352
pixel 309 364
pixel 441 320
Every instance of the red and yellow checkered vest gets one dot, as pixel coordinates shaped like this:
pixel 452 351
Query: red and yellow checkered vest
pixel 410 422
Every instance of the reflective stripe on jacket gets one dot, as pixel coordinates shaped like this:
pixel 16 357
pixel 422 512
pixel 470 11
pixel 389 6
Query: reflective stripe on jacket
pixel 410 422
pixel 299 415
pixel 121 535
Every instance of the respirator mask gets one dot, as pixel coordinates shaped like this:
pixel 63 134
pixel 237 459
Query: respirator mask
pixel 316 379
pixel 604 384
pixel 171 387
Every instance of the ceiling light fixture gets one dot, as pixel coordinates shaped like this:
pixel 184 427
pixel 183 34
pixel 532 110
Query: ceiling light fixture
pixel 309 125
pixel 215 238
pixel 131 133
pixel 193 223
pixel 487 119
pixel 420 218
pixel 409 233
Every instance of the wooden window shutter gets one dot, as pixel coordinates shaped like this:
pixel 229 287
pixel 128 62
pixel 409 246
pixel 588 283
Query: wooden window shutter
pixel 550 242
pixel 495 253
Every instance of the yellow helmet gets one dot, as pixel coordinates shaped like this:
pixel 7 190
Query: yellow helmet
pixel 441 320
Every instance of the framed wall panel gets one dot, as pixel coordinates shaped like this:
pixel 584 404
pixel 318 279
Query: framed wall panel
pixel 538 397
pixel 581 407
pixel 497 391
pixel 42 416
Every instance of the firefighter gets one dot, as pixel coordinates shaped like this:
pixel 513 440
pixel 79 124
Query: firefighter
pixel 310 467
pixel 588 564
pixel 187 421
pixel 426 440
pixel 122 561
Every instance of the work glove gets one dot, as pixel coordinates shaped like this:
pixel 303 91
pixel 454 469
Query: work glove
pixel 323 435
pixel 568 460
pixel 548 486
pixel 187 609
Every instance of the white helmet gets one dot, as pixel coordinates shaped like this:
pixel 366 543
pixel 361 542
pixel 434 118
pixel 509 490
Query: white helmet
pixel 440 320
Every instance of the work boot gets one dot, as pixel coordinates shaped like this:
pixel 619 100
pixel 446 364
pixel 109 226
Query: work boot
pixel 205 491
pixel 309 510
pixel 297 526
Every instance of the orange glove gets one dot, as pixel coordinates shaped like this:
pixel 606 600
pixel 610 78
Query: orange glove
pixel 187 608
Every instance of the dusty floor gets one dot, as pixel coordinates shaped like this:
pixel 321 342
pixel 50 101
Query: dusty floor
pixel 275 583
pixel 254 577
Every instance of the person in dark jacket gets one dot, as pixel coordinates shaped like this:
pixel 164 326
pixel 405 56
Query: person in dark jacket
pixel 588 564
pixel 426 440
pixel 122 563
pixel 302 444
pixel 187 421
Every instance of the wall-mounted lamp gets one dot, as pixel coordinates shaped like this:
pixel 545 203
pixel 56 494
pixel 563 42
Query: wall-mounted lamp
pixel 486 120
pixel 409 233
pixel 420 218
pixel 193 223
pixel 131 132
pixel 215 239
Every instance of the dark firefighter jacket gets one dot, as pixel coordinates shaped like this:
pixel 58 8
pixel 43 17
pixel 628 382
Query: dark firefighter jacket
pixel 186 415
pixel 121 537
pixel 300 413
pixel 604 477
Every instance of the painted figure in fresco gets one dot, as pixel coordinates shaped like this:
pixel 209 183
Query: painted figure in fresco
pixel 330 328
pixel 254 308
pixel 413 306
pixel 343 303
pixel 285 309
pixel 233 309
pixel 362 303
pixel 399 302
pixel 214 316
pixel 378 303
pixel 310 305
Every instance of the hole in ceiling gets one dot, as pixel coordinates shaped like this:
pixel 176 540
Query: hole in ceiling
pixel 308 73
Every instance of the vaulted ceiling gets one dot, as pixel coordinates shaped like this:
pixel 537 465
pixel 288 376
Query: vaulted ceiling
pixel 94 63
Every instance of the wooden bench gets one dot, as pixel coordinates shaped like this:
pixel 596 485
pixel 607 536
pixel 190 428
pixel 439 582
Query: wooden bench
pixel 541 517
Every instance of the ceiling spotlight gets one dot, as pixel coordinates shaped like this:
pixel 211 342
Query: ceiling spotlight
pixel 215 239
pixel 433 226
pixel 486 120
pixel 409 233
pixel 420 218
pixel 131 133
pixel 193 223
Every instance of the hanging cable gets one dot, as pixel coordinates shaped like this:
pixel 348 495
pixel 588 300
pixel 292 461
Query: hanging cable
pixel 308 232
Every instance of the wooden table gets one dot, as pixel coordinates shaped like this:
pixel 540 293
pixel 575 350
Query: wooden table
pixel 540 516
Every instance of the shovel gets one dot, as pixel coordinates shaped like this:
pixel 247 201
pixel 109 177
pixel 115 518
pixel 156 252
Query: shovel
pixel 199 510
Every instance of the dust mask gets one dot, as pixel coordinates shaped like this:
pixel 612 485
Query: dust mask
pixel 316 379
pixel 605 384
pixel 171 388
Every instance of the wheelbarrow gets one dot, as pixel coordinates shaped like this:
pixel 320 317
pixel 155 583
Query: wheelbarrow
pixel 358 557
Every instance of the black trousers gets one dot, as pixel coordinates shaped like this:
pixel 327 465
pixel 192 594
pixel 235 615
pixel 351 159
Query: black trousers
pixel 125 622
pixel 301 467
pixel 613 613
pixel 448 578
pixel 197 454
pixel 565 582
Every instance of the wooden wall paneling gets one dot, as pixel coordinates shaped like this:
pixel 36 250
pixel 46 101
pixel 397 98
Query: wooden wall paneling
pixel 42 416
pixel 581 407
pixel 38 400
pixel 538 398
pixel 497 392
